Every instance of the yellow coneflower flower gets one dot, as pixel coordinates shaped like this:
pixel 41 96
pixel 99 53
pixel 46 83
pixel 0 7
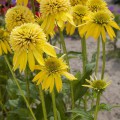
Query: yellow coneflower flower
pixel 100 23
pixel 97 84
pixel 76 2
pixel 18 15
pixel 22 2
pixel 80 15
pixel 28 42
pixel 4 42
pixel 96 5
pixel 51 72
pixel 55 12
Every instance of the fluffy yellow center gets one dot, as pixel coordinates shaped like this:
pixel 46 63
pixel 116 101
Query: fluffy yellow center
pixel 101 17
pixel 99 84
pixel 79 11
pixel 96 5
pixel 53 65
pixel 52 7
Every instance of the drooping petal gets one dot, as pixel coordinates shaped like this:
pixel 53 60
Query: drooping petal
pixel 68 75
pixel 47 48
pixel 103 33
pixel 38 57
pixel 39 76
pixel 31 60
pixel 58 83
pixel 3 47
pixel 114 24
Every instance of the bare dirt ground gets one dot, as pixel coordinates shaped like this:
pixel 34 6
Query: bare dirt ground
pixel 112 71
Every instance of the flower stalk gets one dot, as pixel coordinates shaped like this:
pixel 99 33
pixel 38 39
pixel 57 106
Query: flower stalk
pixel 16 81
pixel 98 54
pixel 67 60
pixel 54 105
pixel 97 106
pixel 33 6
pixel 43 102
pixel 104 59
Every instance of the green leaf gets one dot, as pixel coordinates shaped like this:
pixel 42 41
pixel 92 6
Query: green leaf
pixel 61 106
pixel 74 54
pixel 79 90
pixel 19 114
pixel 81 114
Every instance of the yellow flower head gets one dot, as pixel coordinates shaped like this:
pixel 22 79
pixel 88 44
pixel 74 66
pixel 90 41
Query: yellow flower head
pixel 18 15
pixel 55 12
pixel 28 42
pixel 96 5
pixel 51 72
pixel 100 23
pixel 97 84
pixel 76 2
pixel 22 2
pixel 4 42
pixel 80 13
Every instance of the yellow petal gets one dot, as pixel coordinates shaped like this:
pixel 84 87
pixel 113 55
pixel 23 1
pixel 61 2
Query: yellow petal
pixel 4 47
pixel 39 76
pixel 96 32
pixel 0 49
pixel 49 49
pixel 58 83
pixel 52 86
pixel 90 31
pixel 103 33
pixel 110 32
pixel 8 46
pixel 69 76
pixel 47 82
pixel 38 57
pixel 114 24
pixel 16 60
pixel 23 61
pixel 31 60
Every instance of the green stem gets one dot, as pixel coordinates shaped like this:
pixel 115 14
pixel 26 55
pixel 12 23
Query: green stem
pixel 27 84
pixel 97 106
pixel 54 105
pixel 104 60
pixel 64 46
pixel 17 83
pixel 43 103
pixel 98 54
pixel 67 60
pixel 84 60
pixel 2 106
pixel 33 6
pixel 84 54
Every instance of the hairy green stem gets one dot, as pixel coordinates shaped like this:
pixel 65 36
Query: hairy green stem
pixel 84 54
pixel 98 54
pixel 97 106
pixel 43 102
pixel 17 83
pixel 33 6
pixel 54 105
pixel 104 59
pixel 84 60
pixel 67 60
pixel 27 84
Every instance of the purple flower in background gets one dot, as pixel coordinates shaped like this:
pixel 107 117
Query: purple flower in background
pixel 118 11
pixel 13 1
pixel 111 8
